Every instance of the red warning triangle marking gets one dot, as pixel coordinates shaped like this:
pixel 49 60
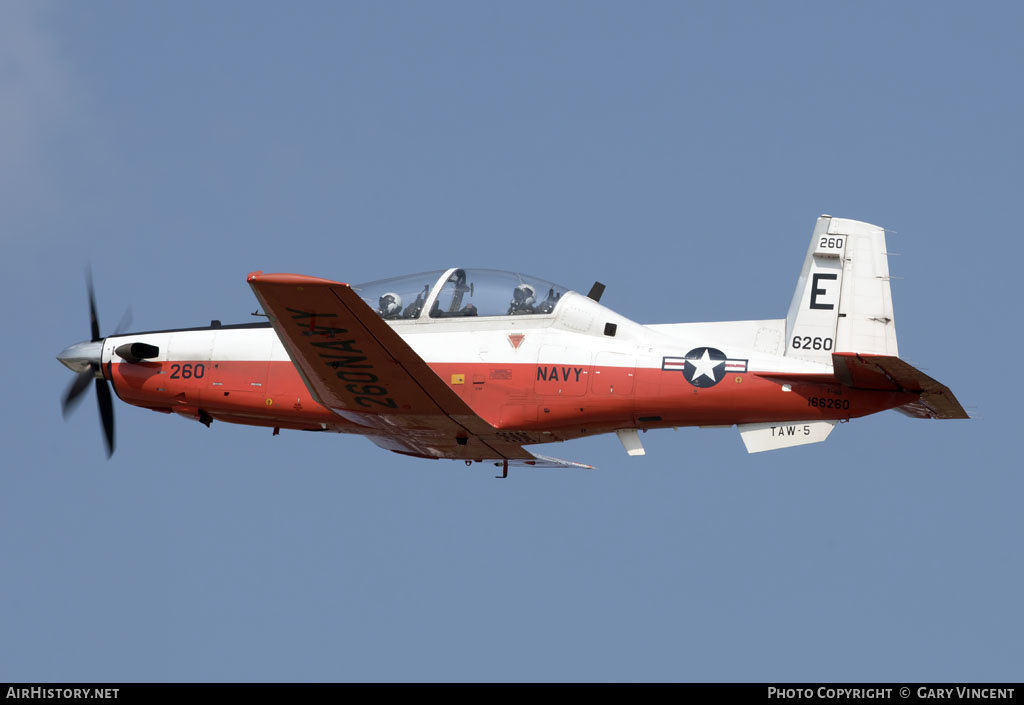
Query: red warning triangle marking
pixel 516 339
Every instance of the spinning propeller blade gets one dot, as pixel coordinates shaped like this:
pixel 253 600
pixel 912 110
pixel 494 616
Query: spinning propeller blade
pixel 84 358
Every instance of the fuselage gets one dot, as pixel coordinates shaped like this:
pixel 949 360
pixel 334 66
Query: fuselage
pixel 579 370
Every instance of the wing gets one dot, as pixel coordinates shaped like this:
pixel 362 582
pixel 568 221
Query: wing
pixel 357 366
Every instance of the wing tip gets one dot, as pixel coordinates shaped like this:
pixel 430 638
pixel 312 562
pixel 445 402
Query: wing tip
pixel 290 279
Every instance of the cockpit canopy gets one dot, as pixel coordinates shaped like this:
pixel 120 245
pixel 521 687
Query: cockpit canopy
pixel 456 293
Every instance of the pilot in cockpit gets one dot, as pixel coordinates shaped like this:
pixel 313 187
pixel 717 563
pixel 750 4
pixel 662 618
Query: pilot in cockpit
pixel 523 300
pixel 389 307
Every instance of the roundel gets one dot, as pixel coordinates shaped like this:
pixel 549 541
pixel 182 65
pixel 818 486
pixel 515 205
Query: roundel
pixel 705 367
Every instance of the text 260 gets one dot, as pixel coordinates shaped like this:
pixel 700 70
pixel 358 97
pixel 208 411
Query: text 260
pixel 188 370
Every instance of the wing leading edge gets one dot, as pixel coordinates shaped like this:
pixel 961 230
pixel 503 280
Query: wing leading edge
pixel 356 365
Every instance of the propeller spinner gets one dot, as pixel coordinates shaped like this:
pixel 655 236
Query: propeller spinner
pixel 84 358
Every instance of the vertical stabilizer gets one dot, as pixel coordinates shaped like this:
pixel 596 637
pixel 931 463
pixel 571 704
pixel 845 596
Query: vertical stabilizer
pixel 842 301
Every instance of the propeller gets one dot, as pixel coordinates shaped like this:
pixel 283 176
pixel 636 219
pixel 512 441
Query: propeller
pixel 87 356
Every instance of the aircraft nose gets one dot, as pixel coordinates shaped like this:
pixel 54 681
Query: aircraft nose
pixel 80 356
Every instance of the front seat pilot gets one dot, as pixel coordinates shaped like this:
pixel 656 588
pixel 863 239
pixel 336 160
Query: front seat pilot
pixel 390 306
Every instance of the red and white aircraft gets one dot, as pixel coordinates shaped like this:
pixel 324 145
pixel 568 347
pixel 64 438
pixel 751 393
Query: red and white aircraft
pixel 477 365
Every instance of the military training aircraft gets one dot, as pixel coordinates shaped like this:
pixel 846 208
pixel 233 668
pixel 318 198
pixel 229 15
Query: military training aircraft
pixel 479 364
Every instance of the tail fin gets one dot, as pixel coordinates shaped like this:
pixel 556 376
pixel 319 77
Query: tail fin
pixel 842 301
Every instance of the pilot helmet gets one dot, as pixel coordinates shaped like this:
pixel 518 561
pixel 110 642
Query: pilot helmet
pixel 524 295
pixel 390 304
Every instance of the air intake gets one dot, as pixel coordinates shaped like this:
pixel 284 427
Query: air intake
pixel 136 352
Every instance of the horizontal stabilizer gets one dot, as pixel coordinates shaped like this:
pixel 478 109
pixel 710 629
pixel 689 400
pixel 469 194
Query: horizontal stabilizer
pixel 886 372
pixel 759 437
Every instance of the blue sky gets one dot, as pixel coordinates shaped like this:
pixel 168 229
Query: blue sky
pixel 679 153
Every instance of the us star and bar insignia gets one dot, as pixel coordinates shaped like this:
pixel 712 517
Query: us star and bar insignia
pixel 704 367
